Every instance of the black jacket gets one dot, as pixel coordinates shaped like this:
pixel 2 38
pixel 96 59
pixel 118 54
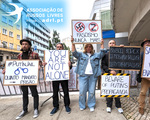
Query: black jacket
pixel 105 63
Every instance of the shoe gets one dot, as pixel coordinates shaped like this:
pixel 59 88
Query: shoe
pixel 120 110
pixel 23 113
pixel 141 111
pixel 36 113
pixel 55 109
pixel 68 109
pixel 108 109
pixel 92 109
pixel 81 109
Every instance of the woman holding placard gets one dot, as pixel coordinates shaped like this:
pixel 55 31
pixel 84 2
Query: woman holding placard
pixel 88 68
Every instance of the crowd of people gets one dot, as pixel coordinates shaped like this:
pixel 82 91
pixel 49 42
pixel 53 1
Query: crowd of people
pixel 88 68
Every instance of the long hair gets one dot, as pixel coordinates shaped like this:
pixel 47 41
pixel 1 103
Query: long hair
pixel 92 51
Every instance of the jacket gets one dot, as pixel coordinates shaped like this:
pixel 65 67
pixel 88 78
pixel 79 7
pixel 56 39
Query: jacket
pixel 83 61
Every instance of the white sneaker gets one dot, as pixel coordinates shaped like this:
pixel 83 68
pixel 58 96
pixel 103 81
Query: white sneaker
pixel 92 109
pixel 81 109
pixel 108 109
pixel 120 110
pixel 36 113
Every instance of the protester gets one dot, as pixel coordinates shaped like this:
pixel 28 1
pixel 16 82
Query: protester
pixel 64 84
pixel 88 68
pixel 145 83
pixel 105 63
pixel 28 54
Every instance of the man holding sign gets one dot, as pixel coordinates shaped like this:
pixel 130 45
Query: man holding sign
pixel 64 84
pixel 145 84
pixel 28 54
pixel 105 63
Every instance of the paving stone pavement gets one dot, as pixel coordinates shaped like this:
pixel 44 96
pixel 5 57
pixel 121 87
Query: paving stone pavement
pixel 10 107
pixel 130 106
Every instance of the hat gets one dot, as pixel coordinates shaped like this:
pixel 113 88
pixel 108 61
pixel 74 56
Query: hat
pixel 145 40
pixel 26 40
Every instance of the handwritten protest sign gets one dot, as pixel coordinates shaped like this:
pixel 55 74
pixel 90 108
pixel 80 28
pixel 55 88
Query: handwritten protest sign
pixel 146 63
pixel 57 65
pixel 21 72
pixel 115 85
pixel 124 58
pixel 87 31
pixel 72 83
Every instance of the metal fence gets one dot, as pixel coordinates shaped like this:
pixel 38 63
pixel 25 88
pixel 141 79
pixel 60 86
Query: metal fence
pixel 42 87
pixel 46 87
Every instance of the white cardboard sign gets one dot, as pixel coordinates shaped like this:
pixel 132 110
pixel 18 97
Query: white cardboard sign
pixel 87 31
pixel 114 85
pixel 146 63
pixel 57 67
pixel 21 72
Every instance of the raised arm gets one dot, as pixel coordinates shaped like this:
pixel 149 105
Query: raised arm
pixel 73 45
pixel 102 44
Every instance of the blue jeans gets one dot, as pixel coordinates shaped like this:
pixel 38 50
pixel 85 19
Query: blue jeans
pixel 87 83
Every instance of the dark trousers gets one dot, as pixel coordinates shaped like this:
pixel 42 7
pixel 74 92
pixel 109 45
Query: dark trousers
pixel 110 101
pixel 64 85
pixel 26 99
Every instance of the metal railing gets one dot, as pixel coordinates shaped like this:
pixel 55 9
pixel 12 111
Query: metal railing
pixel 42 87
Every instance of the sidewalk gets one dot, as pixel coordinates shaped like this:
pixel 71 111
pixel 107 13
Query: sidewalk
pixel 10 107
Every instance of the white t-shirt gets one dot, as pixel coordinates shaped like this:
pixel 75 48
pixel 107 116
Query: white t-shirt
pixel 88 69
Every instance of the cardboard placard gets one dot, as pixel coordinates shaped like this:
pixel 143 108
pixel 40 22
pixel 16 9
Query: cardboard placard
pixel 124 58
pixel 115 85
pixel 21 72
pixel 57 65
pixel 87 31
pixel 146 63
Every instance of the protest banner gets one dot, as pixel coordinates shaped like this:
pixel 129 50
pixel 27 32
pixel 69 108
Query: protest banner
pixel 72 83
pixel 21 72
pixel 115 85
pixel 87 31
pixel 146 63
pixel 57 65
pixel 124 58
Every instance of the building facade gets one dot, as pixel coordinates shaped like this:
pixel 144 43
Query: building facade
pixel 28 27
pixel 35 30
pixel 101 11
pixel 10 33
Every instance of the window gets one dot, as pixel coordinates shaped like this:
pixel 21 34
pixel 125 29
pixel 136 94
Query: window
pixel 18 37
pixel 10 22
pixel 3 6
pixel 10 34
pixel 7 57
pixel 4 19
pixel 11 45
pixel 4 31
pixel 105 16
pixel 9 10
pixel 18 47
pixel 18 27
pixel 4 44
pixel 1 58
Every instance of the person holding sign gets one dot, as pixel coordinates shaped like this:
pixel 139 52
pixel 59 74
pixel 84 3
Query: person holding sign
pixel 64 84
pixel 105 63
pixel 28 54
pixel 145 83
pixel 88 68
